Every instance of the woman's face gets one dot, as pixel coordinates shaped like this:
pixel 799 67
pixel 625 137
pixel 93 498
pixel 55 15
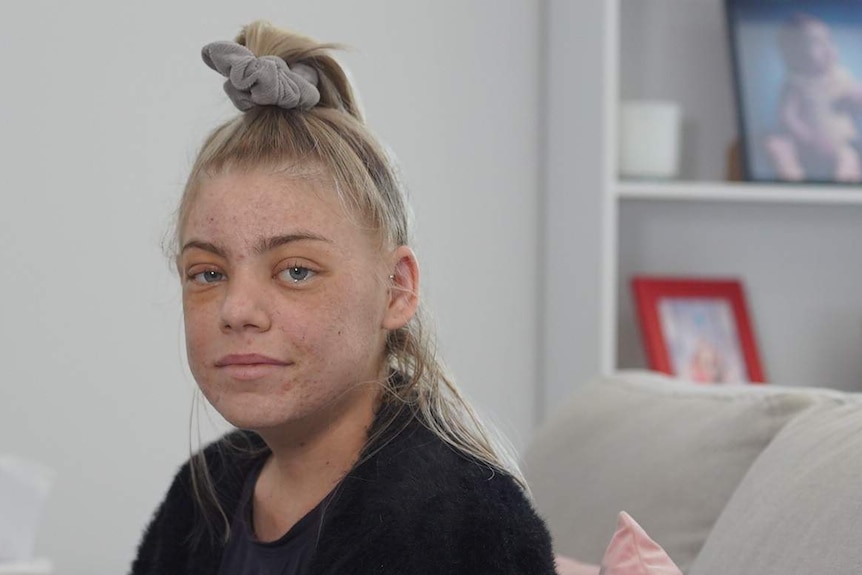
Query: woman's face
pixel 285 298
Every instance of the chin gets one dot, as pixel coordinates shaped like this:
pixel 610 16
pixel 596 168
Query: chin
pixel 247 418
pixel 253 411
pixel 258 420
pixel 271 405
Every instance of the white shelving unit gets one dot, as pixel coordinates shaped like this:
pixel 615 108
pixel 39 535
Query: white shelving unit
pixel 797 248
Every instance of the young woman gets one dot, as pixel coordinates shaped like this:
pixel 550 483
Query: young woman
pixel 355 453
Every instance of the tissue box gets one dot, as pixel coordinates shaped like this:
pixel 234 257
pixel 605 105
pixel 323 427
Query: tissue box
pixel 24 487
pixel 38 567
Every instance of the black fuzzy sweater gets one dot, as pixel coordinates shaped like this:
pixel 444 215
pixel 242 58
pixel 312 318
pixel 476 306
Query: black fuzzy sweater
pixel 415 507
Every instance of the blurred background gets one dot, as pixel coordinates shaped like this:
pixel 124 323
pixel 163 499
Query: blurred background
pixel 492 107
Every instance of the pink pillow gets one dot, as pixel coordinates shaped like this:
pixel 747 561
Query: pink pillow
pixel 632 552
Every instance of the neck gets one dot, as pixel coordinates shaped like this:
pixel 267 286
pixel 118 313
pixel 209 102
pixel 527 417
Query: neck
pixel 309 458
pixel 304 451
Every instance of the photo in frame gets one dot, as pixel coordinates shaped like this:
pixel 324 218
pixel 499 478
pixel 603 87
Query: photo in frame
pixel 797 67
pixel 697 329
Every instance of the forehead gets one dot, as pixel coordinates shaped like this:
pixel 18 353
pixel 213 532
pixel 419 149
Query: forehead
pixel 242 206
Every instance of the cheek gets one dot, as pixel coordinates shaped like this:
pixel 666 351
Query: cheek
pixel 346 323
pixel 197 321
pixel 362 314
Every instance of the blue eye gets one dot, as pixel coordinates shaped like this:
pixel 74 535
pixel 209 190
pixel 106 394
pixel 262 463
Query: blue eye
pixel 208 277
pixel 296 274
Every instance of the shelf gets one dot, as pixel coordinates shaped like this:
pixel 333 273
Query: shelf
pixel 739 192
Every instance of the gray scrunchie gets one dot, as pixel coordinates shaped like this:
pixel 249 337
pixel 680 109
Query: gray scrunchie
pixel 264 81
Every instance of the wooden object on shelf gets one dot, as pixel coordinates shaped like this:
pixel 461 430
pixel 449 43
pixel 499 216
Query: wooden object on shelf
pixel 735 172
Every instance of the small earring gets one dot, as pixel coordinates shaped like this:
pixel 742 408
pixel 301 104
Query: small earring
pixel 391 277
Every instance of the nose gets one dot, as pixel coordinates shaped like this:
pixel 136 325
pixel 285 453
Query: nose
pixel 244 307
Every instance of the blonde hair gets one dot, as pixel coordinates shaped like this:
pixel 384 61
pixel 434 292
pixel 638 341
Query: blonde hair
pixel 333 135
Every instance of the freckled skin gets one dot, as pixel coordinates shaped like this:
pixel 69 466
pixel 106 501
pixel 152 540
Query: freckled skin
pixel 327 327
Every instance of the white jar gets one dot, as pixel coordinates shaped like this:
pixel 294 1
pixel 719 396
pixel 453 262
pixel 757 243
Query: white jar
pixel 649 139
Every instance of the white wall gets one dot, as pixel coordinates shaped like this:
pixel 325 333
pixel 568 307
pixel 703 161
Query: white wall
pixel 103 106
pixel 572 211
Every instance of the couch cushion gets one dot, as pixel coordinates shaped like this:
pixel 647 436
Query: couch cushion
pixel 799 508
pixel 669 453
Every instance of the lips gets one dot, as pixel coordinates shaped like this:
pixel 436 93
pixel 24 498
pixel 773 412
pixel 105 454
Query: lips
pixel 250 366
pixel 248 359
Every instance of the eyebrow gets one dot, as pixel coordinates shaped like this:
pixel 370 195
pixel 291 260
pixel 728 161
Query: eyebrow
pixel 268 244
pixel 205 246
pixel 264 245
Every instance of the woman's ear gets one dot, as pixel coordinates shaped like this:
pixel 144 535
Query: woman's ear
pixel 403 289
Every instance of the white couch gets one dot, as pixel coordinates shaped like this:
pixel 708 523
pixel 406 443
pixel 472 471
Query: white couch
pixel 730 480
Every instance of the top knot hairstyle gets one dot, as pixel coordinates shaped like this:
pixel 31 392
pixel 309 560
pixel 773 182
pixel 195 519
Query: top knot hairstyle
pixel 330 135
pixel 264 81
pixel 272 75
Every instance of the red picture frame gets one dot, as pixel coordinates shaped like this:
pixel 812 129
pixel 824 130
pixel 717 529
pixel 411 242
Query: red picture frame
pixel 697 329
